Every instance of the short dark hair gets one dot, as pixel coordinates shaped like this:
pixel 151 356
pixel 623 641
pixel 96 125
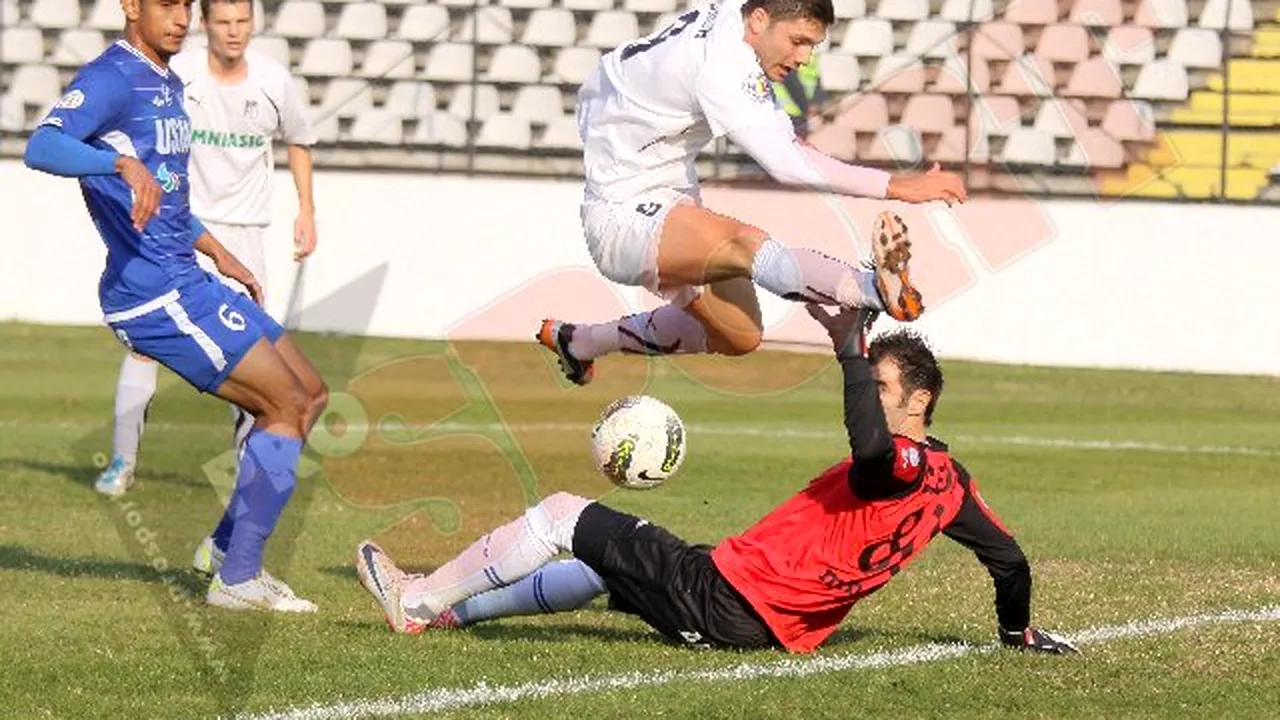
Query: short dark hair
pixel 917 366
pixel 820 10
pixel 206 4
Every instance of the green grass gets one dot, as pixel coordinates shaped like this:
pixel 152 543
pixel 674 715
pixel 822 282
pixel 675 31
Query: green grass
pixel 92 629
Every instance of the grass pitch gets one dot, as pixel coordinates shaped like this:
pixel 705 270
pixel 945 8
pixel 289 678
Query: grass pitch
pixel 1136 496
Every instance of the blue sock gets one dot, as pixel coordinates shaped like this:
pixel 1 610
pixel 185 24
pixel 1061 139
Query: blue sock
pixel 267 476
pixel 222 533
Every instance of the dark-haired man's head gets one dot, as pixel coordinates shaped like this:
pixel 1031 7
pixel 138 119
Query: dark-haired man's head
pixel 784 33
pixel 909 378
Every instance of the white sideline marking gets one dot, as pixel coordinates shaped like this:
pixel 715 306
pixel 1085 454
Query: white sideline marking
pixel 480 694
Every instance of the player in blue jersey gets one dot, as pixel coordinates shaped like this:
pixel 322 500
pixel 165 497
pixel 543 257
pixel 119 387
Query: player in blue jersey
pixel 122 130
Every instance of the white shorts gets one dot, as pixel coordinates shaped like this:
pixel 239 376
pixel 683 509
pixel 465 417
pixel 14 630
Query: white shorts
pixel 245 242
pixel 623 238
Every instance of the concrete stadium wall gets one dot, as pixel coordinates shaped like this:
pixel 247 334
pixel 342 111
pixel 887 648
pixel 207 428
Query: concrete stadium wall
pixel 1077 283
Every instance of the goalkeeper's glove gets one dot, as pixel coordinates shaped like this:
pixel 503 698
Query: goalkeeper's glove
pixel 1036 640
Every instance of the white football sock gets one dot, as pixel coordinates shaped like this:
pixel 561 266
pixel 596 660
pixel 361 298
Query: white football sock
pixel 805 275
pixel 558 586
pixel 134 390
pixel 668 330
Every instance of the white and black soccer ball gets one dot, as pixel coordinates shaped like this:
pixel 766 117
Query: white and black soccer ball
pixel 638 442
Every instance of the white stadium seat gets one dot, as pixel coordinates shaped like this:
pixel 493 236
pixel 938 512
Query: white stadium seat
pixel 958 11
pixel 867 37
pixel 1162 13
pixel 13 115
pixel 505 131
pixel 410 99
pixel 299 19
pixel 392 59
pixel 1198 48
pixel 1129 45
pixel 898 73
pixel 78 46
pixel 347 97
pixel 440 128
pixel 1062 118
pixel 35 84
pixel 850 9
pixel 106 15
pixel 1234 15
pixel 538 103
pixel 326 57
pixel 56 14
pixel 932 39
pixel 592 5
pixel 611 28
pixel 276 48
pixel 486 102
pixel 514 64
pixel 573 65
pixel 903 9
pixel 1028 146
pixel 377 126
pixel 896 143
pixel 10 15
pixel 423 23
pixel 489 25
pixel 449 62
pixel 362 21
pixel 325 126
pixel 653 6
pixel 1162 80
pixel 552 27
pixel 525 4
pixel 19 45
pixel 1093 148
pixel 561 134
pixel 839 72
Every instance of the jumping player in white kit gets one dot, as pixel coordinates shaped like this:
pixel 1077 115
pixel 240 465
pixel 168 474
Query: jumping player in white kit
pixel 644 115
pixel 238 101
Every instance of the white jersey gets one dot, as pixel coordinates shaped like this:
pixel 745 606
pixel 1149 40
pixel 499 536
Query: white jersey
pixel 232 129
pixel 653 105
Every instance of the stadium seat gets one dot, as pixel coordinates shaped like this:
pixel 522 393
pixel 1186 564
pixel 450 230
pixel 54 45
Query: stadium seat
pixel 276 48
pixel 849 9
pixel 1234 15
pixel 1094 78
pixel 1032 12
pixel 1028 146
pixel 561 134
pixel 951 147
pixel 997 41
pixel 35 84
pixel 410 99
pixel 1130 121
pixel 864 112
pixel 839 72
pixel 1197 48
pixel 661 6
pixel 10 15
pixel 908 10
pixel 19 45
pixel 388 59
pixel 299 19
pixel 13 115
pixel 325 127
pixel 551 27
pixel 995 115
pixel 837 141
pixel 77 47
pixel 440 129
pixel 486 102
pixel 929 114
pixel 514 64
pixel 932 39
pixel 1162 80
pixel 611 28
pixel 346 97
pixel 377 126
pixel 106 15
pixel 1097 13
pixel 326 57
pixel 56 14
pixel 573 65
pixel 423 23
pixel 1062 43
pixel 488 25
pixel 505 131
pixel 1062 118
pixel 1129 45
pixel 954 77
pixel 867 37
pixel 898 73
pixel 958 11
pixel 895 144
pixel 1028 76
pixel 524 4
pixel 1093 148
pixel 538 103
pixel 590 5
pixel 449 62
pixel 1161 14
pixel 362 21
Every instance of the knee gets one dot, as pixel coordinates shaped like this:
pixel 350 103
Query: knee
pixel 734 342
pixel 743 245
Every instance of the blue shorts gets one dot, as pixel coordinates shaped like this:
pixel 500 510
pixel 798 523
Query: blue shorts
pixel 200 330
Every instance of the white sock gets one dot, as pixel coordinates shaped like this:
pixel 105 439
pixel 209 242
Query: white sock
pixel 805 275
pixel 558 586
pixel 134 390
pixel 669 330
pixel 243 423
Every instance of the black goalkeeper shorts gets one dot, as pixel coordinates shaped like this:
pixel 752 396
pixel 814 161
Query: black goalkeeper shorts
pixel 668 583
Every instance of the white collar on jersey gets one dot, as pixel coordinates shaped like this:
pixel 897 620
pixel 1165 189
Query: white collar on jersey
pixel 162 72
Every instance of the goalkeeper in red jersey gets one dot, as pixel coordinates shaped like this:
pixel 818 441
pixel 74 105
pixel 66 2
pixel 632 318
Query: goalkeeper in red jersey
pixel 789 580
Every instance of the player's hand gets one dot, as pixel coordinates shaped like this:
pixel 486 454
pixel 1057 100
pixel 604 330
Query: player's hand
pixel 229 266
pixel 846 328
pixel 146 191
pixel 304 236
pixel 1036 640
pixel 936 184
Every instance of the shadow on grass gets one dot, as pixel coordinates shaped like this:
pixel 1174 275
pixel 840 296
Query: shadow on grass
pixel 87 475
pixel 16 557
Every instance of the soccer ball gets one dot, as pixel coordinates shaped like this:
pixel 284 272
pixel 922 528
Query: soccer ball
pixel 638 442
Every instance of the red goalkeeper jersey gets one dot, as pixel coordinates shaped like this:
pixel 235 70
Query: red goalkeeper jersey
pixel 804 565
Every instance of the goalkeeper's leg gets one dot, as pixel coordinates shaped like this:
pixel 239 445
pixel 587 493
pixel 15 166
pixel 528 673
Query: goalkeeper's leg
pixel 558 586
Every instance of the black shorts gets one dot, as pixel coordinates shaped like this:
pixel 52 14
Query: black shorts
pixel 668 583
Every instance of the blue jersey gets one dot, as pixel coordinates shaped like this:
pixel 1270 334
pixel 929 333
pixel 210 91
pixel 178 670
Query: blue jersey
pixel 124 102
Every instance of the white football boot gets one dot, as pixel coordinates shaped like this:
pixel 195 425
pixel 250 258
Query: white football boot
pixel 208 558
pixel 380 576
pixel 116 479
pixel 263 592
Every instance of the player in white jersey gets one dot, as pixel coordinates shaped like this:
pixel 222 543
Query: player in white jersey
pixel 238 101
pixel 644 115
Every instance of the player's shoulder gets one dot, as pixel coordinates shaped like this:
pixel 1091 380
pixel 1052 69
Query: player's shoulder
pixel 267 68
pixel 110 65
pixel 188 64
